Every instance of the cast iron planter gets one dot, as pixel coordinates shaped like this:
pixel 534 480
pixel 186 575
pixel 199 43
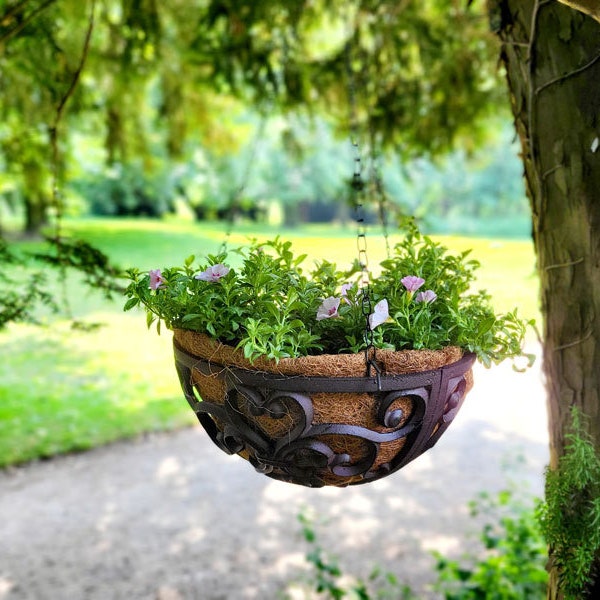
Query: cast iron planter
pixel 315 430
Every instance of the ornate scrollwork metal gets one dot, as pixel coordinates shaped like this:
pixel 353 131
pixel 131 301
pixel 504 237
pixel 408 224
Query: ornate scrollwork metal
pixel 270 419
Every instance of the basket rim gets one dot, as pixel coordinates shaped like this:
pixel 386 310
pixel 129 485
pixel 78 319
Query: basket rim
pixel 390 362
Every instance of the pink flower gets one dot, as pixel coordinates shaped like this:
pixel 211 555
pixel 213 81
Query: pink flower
pixel 345 288
pixel 329 308
pixel 213 273
pixel 380 314
pixel 426 296
pixel 157 281
pixel 412 283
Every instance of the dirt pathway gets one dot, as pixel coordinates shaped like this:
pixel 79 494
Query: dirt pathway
pixel 170 517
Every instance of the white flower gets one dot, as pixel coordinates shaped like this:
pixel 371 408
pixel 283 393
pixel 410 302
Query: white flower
pixel 213 273
pixel 380 314
pixel 345 288
pixel 329 308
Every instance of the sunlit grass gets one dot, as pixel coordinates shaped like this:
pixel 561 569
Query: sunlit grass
pixel 63 390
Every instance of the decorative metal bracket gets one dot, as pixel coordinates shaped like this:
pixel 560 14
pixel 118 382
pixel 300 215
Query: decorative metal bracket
pixel 314 453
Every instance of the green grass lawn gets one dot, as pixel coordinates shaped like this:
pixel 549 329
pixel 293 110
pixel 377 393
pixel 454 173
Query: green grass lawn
pixel 63 390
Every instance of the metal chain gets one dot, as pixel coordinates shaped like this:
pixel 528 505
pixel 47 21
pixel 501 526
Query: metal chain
pixel 358 191
pixel 358 188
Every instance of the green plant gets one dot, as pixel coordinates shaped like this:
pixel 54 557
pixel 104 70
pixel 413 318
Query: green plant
pixel 329 581
pixel 23 290
pixel 271 307
pixel 570 515
pixel 512 563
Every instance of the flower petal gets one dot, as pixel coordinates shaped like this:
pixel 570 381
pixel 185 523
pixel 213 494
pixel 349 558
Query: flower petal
pixel 157 281
pixel 379 315
pixel 329 308
pixel 213 273
pixel 412 283
pixel 205 275
pixel 426 296
pixel 220 270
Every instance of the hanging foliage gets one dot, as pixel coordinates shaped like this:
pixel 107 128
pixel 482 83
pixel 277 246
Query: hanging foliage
pixel 419 73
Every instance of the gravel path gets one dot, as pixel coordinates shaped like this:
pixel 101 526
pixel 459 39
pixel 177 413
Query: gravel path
pixel 169 517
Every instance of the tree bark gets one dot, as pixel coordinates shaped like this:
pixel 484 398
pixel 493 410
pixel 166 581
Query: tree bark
pixel 552 58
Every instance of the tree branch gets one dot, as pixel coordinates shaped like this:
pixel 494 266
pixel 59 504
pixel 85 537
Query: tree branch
pixel 62 104
pixel 11 11
pixel 12 32
pixel 589 7
pixel 56 201
pixel 78 71
pixel 567 75
pixel 586 337
pixel 570 263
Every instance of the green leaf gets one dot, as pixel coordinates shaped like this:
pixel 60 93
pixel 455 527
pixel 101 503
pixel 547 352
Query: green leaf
pixel 191 317
pixel 150 317
pixel 131 303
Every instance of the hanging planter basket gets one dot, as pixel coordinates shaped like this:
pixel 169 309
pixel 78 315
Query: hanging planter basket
pixel 321 420
pixel 336 419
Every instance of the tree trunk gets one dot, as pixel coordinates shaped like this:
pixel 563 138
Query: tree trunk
pixel 35 199
pixel 552 58
pixel 35 214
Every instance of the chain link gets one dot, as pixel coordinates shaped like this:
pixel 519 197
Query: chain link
pixel 358 189
pixel 358 193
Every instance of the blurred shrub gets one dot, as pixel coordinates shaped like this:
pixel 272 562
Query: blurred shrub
pixel 127 191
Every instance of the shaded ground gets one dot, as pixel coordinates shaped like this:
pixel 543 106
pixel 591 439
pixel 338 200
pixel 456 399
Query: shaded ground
pixel 170 517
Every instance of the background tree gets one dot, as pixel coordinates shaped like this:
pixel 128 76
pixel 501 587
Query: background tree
pixel 159 78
